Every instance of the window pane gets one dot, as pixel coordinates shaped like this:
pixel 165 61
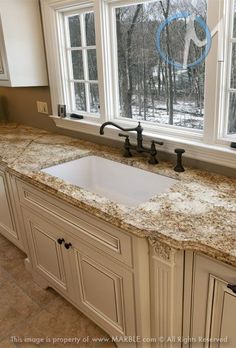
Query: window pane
pixel 80 97
pixel 74 29
pixel 90 29
pixel 232 114
pixel 150 89
pixel 77 65
pixel 233 67
pixel 92 65
pixel 234 30
pixel 94 98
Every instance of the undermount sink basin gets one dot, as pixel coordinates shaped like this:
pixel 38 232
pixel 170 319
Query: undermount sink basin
pixel 116 181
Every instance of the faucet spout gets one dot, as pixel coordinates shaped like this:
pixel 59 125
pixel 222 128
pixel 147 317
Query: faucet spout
pixel 136 129
pixel 109 124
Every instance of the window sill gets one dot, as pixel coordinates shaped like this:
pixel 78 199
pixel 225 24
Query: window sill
pixel 217 154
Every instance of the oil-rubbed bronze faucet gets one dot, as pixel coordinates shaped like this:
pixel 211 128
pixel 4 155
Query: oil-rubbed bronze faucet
pixel 139 147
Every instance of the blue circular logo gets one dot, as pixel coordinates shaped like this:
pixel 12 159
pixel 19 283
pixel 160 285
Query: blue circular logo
pixel 168 21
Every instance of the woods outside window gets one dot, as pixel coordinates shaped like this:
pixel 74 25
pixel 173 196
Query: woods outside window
pixel 150 88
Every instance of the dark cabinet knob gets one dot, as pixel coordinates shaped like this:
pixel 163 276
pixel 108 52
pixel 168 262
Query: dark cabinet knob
pixel 68 245
pixel 60 241
pixel 232 287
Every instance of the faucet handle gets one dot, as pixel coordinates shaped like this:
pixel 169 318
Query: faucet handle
pixel 124 135
pixel 153 152
pixel 179 166
pixel 127 145
pixel 157 142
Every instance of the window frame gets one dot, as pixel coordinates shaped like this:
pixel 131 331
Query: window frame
pixel 209 145
pixel 154 128
pixel 66 61
pixel 224 137
pixel 69 65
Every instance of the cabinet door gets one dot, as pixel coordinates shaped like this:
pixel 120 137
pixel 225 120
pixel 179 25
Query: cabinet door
pixel 222 314
pixel 48 254
pixel 6 217
pixel 3 60
pixel 213 304
pixel 105 290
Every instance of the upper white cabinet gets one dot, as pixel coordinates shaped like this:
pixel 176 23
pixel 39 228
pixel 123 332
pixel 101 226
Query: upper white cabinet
pixel 22 56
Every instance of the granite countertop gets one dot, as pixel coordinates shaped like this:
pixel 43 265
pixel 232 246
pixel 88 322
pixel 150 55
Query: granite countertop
pixel 198 213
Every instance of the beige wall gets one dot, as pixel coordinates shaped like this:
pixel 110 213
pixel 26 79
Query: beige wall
pixel 20 106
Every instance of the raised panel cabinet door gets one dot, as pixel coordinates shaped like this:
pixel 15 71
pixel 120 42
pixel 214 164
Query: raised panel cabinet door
pixel 3 60
pixel 222 329
pixel 105 290
pixel 6 218
pixel 213 304
pixel 47 252
pixel 22 61
pixel 228 329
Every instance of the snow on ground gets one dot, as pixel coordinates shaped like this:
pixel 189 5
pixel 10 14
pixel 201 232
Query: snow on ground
pixel 185 115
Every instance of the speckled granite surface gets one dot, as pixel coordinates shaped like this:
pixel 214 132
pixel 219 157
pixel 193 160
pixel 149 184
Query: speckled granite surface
pixel 197 213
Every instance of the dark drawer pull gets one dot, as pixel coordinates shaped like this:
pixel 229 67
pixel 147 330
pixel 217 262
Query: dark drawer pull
pixel 68 245
pixel 60 241
pixel 232 287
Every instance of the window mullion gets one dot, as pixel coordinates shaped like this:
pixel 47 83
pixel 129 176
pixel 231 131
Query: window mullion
pixel 70 96
pixel 85 61
pixel 213 74
pixel 103 46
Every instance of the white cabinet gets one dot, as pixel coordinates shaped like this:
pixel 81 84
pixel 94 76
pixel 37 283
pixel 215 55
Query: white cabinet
pixel 48 256
pixel 213 304
pixel 102 270
pixel 166 280
pixel 101 288
pixel 222 313
pixel 8 223
pixel 22 56
pixel 6 219
pixel 104 289
pixel 126 286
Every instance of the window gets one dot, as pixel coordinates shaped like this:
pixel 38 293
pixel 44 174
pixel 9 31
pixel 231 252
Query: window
pixel 82 63
pixel 151 89
pixel 150 61
pixel 231 90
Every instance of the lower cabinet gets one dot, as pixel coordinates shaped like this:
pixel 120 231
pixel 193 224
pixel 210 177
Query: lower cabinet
pixel 169 298
pixel 213 304
pixel 102 288
pixel 48 255
pixel 8 226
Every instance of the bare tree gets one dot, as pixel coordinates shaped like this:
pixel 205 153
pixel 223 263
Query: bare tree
pixel 170 92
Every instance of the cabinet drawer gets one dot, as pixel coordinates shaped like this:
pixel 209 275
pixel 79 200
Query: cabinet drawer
pixel 91 229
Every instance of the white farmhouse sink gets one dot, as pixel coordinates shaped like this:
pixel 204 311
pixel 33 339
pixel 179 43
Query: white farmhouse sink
pixel 118 182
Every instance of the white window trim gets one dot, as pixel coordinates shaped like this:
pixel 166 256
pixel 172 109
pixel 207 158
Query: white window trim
pixel 68 63
pixel 223 136
pixel 208 146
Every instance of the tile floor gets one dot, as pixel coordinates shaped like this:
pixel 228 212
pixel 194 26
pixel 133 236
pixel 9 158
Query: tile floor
pixel 27 311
